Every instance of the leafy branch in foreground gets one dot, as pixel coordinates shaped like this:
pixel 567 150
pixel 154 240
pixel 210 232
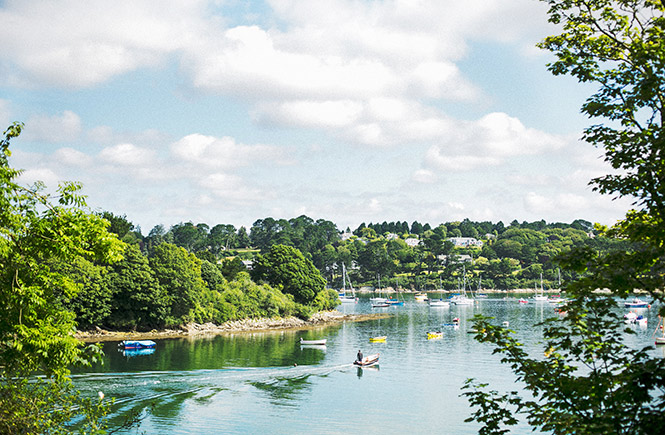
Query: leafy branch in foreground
pixel 38 230
pixel 589 380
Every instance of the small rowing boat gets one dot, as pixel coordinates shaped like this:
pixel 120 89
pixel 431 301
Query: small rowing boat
pixel 378 339
pixel 321 342
pixel 367 361
pixel 434 335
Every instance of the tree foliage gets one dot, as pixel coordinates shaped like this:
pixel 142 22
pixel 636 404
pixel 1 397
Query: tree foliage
pixel 38 232
pixel 285 266
pixel 590 381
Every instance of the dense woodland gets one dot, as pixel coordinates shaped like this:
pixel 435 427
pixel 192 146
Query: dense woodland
pixel 194 272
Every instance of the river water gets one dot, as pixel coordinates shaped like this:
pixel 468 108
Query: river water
pixel 266 382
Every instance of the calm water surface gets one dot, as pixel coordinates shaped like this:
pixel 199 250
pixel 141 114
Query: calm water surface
pixel 268 383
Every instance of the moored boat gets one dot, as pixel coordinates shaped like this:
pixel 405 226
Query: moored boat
pixel 343 297
pixel 421 297
pixel 540 296
pixel 636 303
pixel 321 342
pixel 137 344
pixel 439 303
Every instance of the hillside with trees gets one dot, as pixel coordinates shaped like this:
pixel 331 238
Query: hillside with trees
pixel 198 273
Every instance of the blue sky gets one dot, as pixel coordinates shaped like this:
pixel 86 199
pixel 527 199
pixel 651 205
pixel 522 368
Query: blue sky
pixel 352 111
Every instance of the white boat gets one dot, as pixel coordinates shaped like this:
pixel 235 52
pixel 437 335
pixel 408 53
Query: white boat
pixel 540 296
pixel 321 342
pixel 480 295
pixel 439 303
pixel 367 361
pixel 636 303
pixel 462 299
pixel 379 299
pixel 347 299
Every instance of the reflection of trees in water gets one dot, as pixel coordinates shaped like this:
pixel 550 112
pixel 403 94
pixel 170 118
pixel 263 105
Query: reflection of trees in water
pixel 284 390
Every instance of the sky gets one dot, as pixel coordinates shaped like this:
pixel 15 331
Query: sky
pixel 345 110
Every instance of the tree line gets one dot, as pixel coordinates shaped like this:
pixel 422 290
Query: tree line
pixel 416 256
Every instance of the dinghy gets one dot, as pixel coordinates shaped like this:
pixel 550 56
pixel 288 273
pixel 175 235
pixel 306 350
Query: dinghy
pixel 321 342
pixel 367 361
pixel 137 344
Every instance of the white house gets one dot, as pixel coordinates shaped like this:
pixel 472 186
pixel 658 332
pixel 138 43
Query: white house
pixel 412 241
pixel 463 242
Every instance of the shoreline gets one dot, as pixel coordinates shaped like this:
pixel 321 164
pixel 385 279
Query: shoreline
pixel 318 320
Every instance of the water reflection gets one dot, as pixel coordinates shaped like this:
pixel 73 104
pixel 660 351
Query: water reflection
pixel 130 353
pixel 269 383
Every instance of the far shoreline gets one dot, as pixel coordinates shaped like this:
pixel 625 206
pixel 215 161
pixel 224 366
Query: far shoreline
pixel 193 330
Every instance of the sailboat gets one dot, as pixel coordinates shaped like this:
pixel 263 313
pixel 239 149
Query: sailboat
pixel 398 301
pixel 439 302
pixel 541 296
pixel 480 295
pixel 462 299
pixel 378 301
pixel 347 299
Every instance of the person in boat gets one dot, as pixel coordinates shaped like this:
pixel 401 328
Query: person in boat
pixel 359 357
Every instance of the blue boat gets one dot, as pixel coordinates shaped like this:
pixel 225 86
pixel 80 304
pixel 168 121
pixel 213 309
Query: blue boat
pixel 636 303
pixel 137 344
pixel 130 353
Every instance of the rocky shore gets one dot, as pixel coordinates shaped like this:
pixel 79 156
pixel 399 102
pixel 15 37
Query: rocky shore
pixel 325 318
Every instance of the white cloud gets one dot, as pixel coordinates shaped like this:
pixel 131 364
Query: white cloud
pixel 424 176
pixel 435 158
pixel 53 129
pixel 224 152
pixel 230 187
pixel 65 44
pixel 561 203
pixel 127 154
pixel 307 113
pixel 5 114
pixel 487 142
pixel 45 175
pixel 72 157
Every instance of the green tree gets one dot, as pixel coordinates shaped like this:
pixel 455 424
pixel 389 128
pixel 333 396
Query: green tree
pixel 189 236
pixel 590 381
pixel 37 232
pixel 139 302
pixel 179 274
pixel 92 303
pixel 285 266
pixel 221 238
pixel 231 267
pixel 243 240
